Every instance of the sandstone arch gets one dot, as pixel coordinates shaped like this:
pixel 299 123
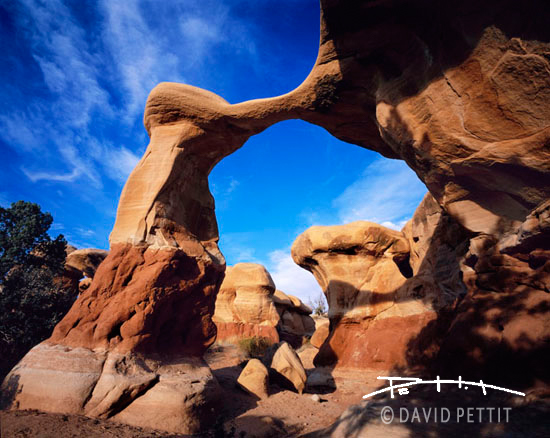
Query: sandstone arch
pixel 457 90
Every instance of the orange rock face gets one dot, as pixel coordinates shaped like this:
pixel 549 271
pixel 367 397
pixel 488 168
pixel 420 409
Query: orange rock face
pixel 163 304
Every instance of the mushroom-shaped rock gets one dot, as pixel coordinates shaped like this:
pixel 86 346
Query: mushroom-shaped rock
pixel 245 305
pixel 288 367
pixel 359 266
pixel 254 378
pixel 364 271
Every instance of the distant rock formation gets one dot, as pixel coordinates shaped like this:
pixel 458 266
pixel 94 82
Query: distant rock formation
pixel 296 321
pixel 80 267
pixel 460 92
pixel 248 304
pixel 245 306
pixel 85 261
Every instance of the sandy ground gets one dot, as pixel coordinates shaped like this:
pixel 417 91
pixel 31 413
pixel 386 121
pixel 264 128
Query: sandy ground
pixel 284 414
pixel 288 414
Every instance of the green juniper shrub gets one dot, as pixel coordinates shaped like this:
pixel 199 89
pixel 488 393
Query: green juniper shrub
pixel 32 297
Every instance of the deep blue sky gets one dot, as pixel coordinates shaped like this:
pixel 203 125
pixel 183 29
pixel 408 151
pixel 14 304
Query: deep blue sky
pixel 75 76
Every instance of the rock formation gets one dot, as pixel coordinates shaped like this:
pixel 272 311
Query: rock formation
pixel 296 321
pixel 382 285
pixel 245 306
pixel 86 261
pixel 248 305
pixel 320 335
pixel 81 265
pixel 459 90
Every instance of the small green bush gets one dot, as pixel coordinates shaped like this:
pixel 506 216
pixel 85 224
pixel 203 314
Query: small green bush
pixel 255 347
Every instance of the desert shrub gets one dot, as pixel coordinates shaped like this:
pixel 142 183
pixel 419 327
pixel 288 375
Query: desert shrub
pixel 319 305
pixel 32 297
pixel 255 347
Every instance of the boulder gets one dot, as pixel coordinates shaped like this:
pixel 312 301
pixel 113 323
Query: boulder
pixel 321 378
pixel 320 335
pixel 254 378
pixel 288 367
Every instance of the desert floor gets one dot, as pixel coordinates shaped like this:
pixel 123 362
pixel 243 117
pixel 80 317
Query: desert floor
pixel 288 414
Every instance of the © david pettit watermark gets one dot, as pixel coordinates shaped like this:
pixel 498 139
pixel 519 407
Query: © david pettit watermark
pixel 442 414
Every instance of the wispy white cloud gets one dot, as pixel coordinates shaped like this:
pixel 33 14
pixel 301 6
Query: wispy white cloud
pixel 233 184
pixel 51 176
pixel 84 232
pixel 387 193
pixel 290 278
pixel 239 247
pixel 119 162
pixel 140 57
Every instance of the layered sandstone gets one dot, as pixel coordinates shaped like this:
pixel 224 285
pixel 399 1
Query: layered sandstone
pixel 296 321
pixel 86 261
pixel 362 268
pixel 245 306
pixel 456 89
pixel 248 304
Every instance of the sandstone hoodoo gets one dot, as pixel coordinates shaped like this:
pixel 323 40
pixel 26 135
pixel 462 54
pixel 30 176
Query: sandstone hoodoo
pixel 245 306
pixel 382 285
pixel 249 305
pixel 457 91
pixel 296 321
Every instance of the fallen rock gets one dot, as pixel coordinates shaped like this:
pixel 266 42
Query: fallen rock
pixel 320 335
pixel 254 378
pixel 321 378
pixel 287 364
